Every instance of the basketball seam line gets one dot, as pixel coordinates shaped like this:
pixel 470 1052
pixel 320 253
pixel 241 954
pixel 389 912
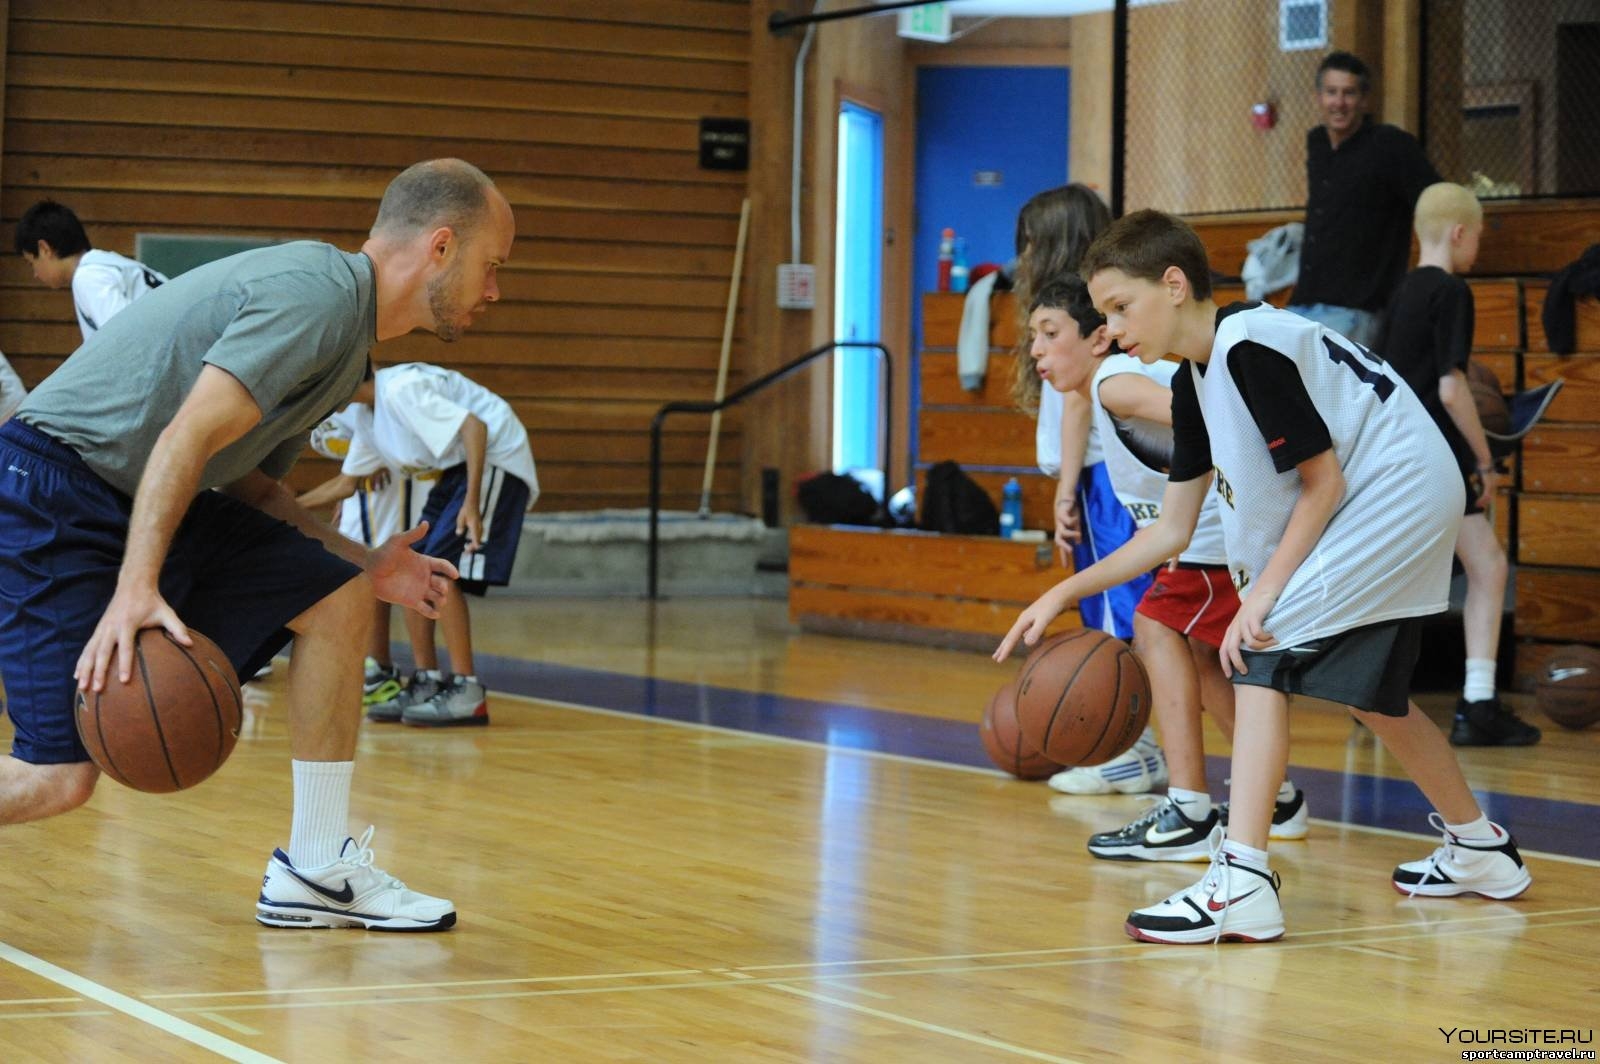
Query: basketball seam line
pixel 155 714
pixel 216 706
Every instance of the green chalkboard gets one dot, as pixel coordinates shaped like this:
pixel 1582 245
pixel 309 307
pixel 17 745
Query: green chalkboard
pixel 175 253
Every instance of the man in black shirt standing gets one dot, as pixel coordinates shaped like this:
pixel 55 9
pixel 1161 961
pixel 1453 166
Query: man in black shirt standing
pixel 1362 181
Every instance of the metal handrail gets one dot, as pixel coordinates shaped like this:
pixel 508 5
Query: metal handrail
pixel 702 407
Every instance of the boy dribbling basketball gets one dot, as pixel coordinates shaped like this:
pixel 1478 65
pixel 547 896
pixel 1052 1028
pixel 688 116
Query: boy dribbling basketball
pixel 1339 503
pixel 1180 619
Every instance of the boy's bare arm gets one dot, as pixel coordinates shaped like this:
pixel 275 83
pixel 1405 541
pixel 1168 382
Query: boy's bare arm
pixel 1135 395
pixel 1456 395
pixel 336 488
pixel 1076 418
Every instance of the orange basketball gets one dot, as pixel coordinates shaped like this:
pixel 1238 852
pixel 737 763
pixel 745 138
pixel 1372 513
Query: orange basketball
pixel 1569 688
pixel 1493 410
pixel 173 723
pixel 1002 739
pixel 1082 698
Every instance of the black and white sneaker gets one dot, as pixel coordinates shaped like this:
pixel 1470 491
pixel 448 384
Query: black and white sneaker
pixel 1289 818
pixel 1490 869
pixel 350 892
pixel 1162 834
pixel 1231 903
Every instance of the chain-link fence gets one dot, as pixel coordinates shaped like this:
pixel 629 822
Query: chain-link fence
pixel 1220 94
pixel 1512 95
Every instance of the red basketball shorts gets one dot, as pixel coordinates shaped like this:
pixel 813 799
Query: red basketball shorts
pixel 1194 600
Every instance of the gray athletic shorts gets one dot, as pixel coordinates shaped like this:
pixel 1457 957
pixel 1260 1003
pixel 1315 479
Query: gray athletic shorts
pixel 1367 668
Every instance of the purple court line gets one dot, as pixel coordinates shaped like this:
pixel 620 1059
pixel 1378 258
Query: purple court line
pixel 1555 826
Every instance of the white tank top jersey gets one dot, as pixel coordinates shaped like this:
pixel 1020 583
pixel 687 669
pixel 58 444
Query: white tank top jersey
pixel 1385 553
pixel 104 283
pixel 419 412
pixel 1047 435
pixel 1138 455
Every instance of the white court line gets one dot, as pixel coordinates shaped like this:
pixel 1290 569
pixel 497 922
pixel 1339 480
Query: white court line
pixel 1114 955
pixel 138 1010
pixel 950 1032
pixel 420 986
pixel 905 759
pixel 232 1025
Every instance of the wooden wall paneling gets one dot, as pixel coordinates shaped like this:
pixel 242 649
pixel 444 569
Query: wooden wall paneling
pixel 5 50
pixel 286 119
pixel 976 437
pixel 1558 604
pixel 1579 398
pixel 1497 324
pixel 1561 458
pixel 927 563
pixel 941 381
pixel 1558 530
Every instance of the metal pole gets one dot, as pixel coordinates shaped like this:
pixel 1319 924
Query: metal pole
pixel 655 496
pixel 1119 102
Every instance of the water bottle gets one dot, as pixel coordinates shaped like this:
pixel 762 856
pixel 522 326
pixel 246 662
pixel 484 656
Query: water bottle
pixel 1011 509
pixel 958 266
pixel 947 255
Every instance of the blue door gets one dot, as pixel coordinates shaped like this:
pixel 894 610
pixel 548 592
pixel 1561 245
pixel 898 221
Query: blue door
pixel 988 138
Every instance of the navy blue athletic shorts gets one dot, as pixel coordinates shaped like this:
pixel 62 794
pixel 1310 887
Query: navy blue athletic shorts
pixel 233 573
pixel 502 501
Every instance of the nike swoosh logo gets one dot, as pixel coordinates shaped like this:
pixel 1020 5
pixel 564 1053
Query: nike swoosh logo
pixel 1558 675
pixel 1154 835
pixel 1211 903
pixel 343 897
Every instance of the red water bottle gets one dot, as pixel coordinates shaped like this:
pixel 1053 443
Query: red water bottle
pixel 947 257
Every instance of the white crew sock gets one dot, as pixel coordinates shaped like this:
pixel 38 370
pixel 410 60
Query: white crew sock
pixel 1480 680
pixel 1248 856
pixel 321 820
pixel 1479 830
pixel 1286 790
pixel 1195 805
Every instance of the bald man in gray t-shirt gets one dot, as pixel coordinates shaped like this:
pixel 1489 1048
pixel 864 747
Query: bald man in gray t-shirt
pixel 214 380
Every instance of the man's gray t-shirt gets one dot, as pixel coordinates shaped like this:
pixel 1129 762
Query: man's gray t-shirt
pixel 292 323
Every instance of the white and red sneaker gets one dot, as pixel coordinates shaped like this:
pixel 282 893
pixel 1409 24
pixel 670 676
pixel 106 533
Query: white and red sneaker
pixel 1231 903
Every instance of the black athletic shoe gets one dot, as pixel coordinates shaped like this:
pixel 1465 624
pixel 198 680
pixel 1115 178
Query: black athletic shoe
pixel 1488 723
pixel 1162 834
pixel 1288 817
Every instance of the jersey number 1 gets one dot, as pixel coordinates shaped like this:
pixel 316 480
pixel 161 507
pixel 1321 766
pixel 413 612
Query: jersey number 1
pixel 1382 385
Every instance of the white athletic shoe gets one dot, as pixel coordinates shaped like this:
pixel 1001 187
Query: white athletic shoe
pixel 1290 819
pixel 1491 869
pixel 1141 770
pixel 350 892
pixel 1231 903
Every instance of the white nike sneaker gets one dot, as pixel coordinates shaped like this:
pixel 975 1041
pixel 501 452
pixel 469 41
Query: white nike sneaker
pixel 1231 903
pixel 1141 770
pixel 350 892
pixel 1490 869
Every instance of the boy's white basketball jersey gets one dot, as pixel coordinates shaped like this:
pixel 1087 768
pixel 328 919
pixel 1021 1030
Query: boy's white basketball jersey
pixel 1047 435
pixel 1385 553
pixel 1138 473
pixel 419 413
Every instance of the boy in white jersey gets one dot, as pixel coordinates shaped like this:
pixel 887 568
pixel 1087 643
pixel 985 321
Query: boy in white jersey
pixel 1337 544
pixel 52 240
pixel 1182 617
pixel 425 418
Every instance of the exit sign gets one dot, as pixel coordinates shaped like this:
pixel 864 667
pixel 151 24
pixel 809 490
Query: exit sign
pixel 930 22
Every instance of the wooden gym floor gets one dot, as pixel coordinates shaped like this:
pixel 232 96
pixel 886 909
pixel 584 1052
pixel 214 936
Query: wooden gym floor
pixel 697 835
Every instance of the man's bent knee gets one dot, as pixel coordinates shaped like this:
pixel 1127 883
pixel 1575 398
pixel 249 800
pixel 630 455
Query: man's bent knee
pixel 33 792
pixel 347 609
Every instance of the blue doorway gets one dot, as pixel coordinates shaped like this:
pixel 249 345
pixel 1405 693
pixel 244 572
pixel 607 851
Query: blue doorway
pixel 988 138
pixel 858 295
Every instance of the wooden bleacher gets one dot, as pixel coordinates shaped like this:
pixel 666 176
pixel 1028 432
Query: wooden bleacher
pixel 966 590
